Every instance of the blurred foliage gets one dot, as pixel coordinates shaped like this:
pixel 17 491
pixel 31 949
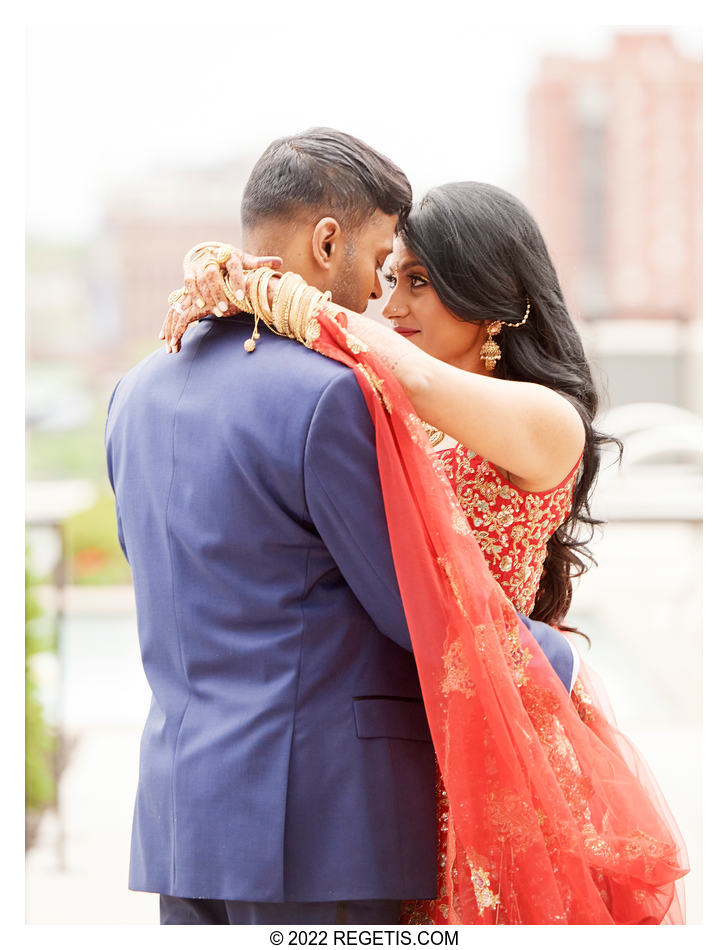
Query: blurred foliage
pixel 93 546
pixel 74 453
pixel 40 741
pixel 60 454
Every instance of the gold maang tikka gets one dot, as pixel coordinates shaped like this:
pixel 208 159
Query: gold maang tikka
pixel 490 352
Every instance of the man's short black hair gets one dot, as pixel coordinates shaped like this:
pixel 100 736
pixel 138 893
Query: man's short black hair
pixel 329 172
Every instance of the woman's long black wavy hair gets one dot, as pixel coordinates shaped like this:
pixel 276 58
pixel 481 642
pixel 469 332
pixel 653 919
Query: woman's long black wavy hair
pixel 485 255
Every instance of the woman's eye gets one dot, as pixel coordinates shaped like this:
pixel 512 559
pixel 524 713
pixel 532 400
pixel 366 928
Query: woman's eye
pixel 389 279
pixel 417 280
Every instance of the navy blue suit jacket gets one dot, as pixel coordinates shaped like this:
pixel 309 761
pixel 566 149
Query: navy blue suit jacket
pixel 286 754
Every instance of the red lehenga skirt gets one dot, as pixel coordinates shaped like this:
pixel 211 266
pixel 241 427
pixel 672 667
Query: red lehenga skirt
pixel 549 814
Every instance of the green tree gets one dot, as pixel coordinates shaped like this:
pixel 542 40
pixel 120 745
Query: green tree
pixel 40 741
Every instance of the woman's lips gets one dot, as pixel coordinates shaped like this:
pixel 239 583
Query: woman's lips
pixel 403 331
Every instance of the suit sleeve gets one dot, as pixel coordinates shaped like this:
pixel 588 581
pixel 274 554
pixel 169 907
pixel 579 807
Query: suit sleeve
pixel 110 472
pixel 558 650
pixel 344 499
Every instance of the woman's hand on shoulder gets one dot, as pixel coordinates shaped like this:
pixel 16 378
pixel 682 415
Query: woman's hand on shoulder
pixel 204 292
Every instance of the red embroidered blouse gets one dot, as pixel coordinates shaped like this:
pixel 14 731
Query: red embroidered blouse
pixel 512 526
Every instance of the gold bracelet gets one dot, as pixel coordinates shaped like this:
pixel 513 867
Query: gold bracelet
pixel 298 304
pixel 265 310
pixel 297 283
pixel 295 306
pixel 308 303
pixel 291 312
pixel 247 298
pixel 239 304
pixel 255 280
pixel 277 294
pixel 289 285
pixel 283 299
pixel 253 285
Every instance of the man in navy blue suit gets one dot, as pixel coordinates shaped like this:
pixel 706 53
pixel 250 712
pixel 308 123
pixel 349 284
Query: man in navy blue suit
pixel 286 770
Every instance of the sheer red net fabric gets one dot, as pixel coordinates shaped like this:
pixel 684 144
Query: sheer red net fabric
pixel 553 818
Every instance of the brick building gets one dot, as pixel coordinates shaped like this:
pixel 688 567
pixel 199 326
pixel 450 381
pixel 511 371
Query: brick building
pixel 151 224
pixel 614 180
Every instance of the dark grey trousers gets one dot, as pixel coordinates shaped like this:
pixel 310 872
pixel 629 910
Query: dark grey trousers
pixel 189 910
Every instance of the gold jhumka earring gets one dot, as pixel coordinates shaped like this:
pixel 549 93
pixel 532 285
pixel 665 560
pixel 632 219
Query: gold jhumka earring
pixel 490 352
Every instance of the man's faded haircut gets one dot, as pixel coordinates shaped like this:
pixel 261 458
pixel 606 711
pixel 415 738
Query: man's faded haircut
pixel 327 173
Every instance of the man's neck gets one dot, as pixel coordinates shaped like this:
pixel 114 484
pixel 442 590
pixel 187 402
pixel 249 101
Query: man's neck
pixel 287 240
pixel 264 240
pixel 274 239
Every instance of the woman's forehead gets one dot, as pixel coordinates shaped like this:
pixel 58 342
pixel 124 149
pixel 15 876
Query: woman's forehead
pixel 401 256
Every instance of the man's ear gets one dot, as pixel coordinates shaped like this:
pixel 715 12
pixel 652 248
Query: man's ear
pixel 326 242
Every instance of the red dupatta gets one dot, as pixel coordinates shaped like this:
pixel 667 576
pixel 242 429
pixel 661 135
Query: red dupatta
pixel 554 819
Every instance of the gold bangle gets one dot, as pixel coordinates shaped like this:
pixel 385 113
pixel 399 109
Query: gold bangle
pixel 255 280
pixel 247 302
pixel 277 294
pixel 295 310
pixel 176 295
pixel 265 310
pixel 233 297
pixel 253 287
pixel 298 311
pixel 289 284
pixel 293 313
pixel 306 307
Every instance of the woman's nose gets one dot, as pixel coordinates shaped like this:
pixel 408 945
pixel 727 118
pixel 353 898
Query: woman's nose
pixel 391 309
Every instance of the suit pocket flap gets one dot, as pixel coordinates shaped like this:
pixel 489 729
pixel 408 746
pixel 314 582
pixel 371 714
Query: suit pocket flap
pixel 391 717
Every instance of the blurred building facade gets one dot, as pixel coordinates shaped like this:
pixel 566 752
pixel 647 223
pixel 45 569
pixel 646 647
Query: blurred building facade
pixel 151 224
pixel 614 179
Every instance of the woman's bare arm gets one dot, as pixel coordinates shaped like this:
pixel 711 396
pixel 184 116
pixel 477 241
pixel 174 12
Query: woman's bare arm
pixel 527 430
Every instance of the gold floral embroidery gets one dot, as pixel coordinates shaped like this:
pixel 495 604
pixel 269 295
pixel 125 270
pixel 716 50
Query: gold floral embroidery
pixel 518 655
pixel 416 913
pixel 354 344
pixel 313 332
pixel 649 849
pixel 484 894
pixel 377 385
pixel 460 522
pixel 595 843
pixel 512 527
pixel 457 674
pixel 512 818
pixel 542 706
pixel 582 701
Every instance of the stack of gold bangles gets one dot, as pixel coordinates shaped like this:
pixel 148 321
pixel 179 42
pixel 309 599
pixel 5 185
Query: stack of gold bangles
pixel 291 311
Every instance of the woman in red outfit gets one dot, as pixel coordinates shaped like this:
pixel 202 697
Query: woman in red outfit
pixel 546 813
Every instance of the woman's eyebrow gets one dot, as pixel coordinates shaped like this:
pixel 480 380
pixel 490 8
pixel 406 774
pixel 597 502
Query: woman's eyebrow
pixel 409 263
pixel 405 265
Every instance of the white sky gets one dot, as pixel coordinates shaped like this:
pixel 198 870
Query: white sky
pixel 444 97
